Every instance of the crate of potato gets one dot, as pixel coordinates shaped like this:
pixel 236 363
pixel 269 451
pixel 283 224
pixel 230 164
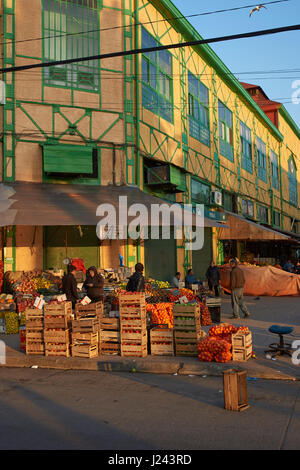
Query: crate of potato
pixel 162 341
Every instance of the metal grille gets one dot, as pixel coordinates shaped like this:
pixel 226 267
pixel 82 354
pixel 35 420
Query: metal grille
pixel 71 30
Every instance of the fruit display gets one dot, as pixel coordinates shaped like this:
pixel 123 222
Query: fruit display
pixel 214 349
pixel 41 283
pixel 205 315
pixel 159 284
pixel 175 295
pixel 11 323
pixel 161 313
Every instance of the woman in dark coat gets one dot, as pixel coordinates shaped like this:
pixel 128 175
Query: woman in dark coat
pixel 94 284
pixel 213 278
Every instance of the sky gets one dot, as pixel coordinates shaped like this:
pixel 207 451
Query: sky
pixel 262 54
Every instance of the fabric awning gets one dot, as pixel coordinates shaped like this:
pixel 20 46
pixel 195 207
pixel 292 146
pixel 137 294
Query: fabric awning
pixel 42 204
pixel 244 229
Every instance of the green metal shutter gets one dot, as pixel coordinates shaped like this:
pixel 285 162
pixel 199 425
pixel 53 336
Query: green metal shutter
pixel 201 259
pixel 68 159
pixel 72 242
pixel 160 259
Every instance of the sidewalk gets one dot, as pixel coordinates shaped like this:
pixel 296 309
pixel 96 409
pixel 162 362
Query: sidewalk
pixel 261 368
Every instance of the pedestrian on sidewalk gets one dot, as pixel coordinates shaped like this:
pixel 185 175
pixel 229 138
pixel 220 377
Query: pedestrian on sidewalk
pixel 237 282
pixel 94 284
pixel 213 278
pixel 70 286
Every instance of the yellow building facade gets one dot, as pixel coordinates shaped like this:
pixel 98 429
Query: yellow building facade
pixel 177 112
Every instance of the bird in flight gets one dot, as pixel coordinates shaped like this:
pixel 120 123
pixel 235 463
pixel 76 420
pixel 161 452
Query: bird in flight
pixel 258 8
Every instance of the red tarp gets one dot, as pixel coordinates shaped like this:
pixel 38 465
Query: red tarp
pixel 265 280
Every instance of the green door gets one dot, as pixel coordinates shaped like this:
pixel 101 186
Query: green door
pixel 160 259
pixel 201 259
pixel 71 242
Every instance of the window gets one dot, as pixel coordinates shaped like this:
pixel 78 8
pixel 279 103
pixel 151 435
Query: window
pixel 263 215
pixel 228 201
pixel 225 131
pixel 261 160
pixel 156 79
pixel 292 182
pixel 71 30
pixel 246 147
pixel 198 110
pixel 274 170
pixel 200 192
pixel 248 208
pixel 276 218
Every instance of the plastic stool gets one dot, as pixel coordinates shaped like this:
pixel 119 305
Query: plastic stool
pixel 280 348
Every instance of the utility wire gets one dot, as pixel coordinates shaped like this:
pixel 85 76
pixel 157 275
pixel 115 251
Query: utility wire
pixel 154 49
pixel 144 23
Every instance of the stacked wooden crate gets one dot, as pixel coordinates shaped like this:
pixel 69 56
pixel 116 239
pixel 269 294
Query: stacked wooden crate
pixel 85 330
pixel 214 306
pixel 162 341
pixel 187 329
pixel 241 346
pixel 109 336
pixel 133 324
pixel 57 322
pixel 34 322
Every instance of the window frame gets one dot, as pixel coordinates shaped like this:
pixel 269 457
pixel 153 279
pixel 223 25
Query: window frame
pixel 260 219
pixel 293 184
pixel 261 157
pixel 147 85
pixel 248 203
pixel 194 120
pixel 273 218
pixel 206 202
pixel 274 162
pixel 226 147
pixel 246 161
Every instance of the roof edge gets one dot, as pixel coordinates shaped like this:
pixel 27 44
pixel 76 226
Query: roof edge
pixel 286 115
pixel 166 6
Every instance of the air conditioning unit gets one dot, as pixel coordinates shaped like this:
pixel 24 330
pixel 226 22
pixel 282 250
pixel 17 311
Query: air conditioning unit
pixel 216 198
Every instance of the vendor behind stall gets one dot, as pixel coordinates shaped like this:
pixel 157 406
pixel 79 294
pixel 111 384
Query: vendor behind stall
pixel 136 282
pixel 191 279
pixel 94 284
pixel 69 285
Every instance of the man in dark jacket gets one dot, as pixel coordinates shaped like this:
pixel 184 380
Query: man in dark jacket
pixel 70 286
pixel 237 282
pixel 136 282
pixel 213 278
pixel 94 284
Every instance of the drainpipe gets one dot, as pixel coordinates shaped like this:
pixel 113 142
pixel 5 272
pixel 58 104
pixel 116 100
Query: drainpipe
pixel 137 94
pixel 114 164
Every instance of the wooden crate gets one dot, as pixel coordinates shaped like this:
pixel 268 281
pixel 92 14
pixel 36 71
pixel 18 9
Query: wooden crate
pixel 85 350
pixel 138 337
pixel 35 335
pixel 162 342
pixel 57 321
pixel 186 342
pixel 110 336
pixel 56 336
pixel 235 390
pixel 241 339
pixel 187 308
pixel 62 308
pixel 136 311
pixel 134 350
pixel 88 338
pixel 128 299
pixel 109 323
pixel 107 348
pixel 34 319
pixel 187 321
pixel 241 354
pixel 96 309
pixel 53 349
pixel 85 325
pixel 35 348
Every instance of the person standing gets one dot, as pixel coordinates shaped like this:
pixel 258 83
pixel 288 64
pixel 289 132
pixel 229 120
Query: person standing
pixel 94 284
pixel 237 282
pixel 136 282
pixel 213 278
pixel 70 286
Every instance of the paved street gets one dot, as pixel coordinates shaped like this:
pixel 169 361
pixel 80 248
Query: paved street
pixel 44 409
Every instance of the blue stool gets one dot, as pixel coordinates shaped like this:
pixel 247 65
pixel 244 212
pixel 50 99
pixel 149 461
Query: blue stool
pixel 280 348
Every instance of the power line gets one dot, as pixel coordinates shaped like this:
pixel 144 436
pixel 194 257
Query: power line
pixel 144 23
pixel 154 49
